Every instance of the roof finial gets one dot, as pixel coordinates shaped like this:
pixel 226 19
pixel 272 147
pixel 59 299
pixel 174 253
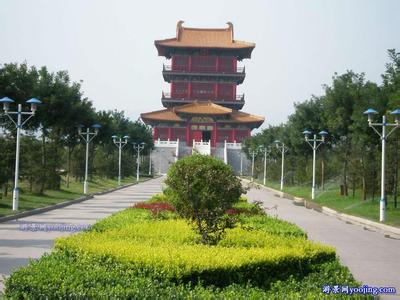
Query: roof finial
pixel 178 29
pixel 230 29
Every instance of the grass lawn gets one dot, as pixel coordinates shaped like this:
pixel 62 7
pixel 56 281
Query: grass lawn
pixel 30 200
pixel 331 198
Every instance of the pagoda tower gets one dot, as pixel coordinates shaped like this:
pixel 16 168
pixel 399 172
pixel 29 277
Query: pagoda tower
pixel 202 105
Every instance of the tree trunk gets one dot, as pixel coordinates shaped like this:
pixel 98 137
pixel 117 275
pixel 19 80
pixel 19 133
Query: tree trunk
pixel 345 177
pixel 364 188
pixel 374 173
pixel 5 189
pixel 322 174
pixel 69 153
pixel 43 179
pixel 30 184
pixel 396 172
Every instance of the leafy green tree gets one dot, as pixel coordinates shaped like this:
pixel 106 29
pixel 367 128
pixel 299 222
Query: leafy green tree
pixel 202 189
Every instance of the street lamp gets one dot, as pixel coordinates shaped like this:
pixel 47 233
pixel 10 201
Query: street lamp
pixel 18 124
pixel 120 144
pixel 266 151
pixel 241 163
pixel 370 113
pixel 159 161
pixel 281 146
pixel 253 153
pixel 315 145
pixel 138 148
pixel 150 163
pixel 87 136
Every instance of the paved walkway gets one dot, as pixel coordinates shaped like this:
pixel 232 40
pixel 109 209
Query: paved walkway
pixel 18 246
pixel 372 258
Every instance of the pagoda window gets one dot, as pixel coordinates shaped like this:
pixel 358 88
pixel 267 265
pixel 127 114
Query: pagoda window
pixel 202 91
pixel 163 133
pixel 226 91
pixel 179 133
pixel 180 63
pixel 241 135
pixel 224 135
pixel 203 63
pixel 226 64
pixel 179 90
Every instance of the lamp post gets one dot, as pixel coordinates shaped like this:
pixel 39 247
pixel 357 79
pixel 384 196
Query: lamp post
pixel 383 135
pixel 315 145
pixel 150 163
pixel 120 143
pixel 253 153
pixel 281 146
pixel 159 161
pixel 241 163
pixel 18 124
pixel 138 148
pixel 266 151
pixel 87 136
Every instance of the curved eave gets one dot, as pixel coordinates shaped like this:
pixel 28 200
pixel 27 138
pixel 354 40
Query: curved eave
pixel 202 113
pixel 253 124
pixel 242 52
pixel 165 115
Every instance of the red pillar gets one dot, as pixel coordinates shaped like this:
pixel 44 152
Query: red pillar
pixel 233 135
pixel 190 90
pixel 169 133
pixel 188 135
pixel 217 64
pixel 190 63
pixel 214 140
pixel 215 91
pixel 155 133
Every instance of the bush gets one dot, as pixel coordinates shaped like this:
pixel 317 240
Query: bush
pixel 170 250
pixel 131 255
pixel 202 189
pixel 63 275
pixel 271 225
pixel 162 197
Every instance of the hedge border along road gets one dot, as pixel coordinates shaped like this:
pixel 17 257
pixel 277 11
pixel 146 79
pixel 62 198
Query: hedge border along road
pixel 139 255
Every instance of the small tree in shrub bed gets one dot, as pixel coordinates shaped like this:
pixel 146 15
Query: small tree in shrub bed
pixel 202 189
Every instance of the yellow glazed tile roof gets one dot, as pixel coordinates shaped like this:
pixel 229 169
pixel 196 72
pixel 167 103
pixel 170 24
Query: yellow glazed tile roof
pixel 221 38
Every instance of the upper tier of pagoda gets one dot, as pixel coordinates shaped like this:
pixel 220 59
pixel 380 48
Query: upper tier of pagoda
pixel 214 39
pixel 203 104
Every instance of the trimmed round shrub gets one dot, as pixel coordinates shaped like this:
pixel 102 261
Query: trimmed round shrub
pixel 202 189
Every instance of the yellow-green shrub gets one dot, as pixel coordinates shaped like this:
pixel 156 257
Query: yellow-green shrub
pixel 169 249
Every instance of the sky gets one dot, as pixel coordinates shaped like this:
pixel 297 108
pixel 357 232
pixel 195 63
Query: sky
pixel 109 45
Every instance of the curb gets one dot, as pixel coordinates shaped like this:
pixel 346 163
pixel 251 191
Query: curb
pixel 63 204
pixel 368 224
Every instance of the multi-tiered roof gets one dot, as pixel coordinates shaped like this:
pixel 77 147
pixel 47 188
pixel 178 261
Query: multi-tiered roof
pixel 203 76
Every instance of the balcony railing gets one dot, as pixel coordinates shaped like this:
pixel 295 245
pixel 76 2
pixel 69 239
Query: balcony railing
pixel 167 96
pixel 201 69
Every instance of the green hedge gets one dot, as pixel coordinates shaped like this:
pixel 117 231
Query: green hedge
pixel 132 255
pixel 169 249
pixel 65 275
